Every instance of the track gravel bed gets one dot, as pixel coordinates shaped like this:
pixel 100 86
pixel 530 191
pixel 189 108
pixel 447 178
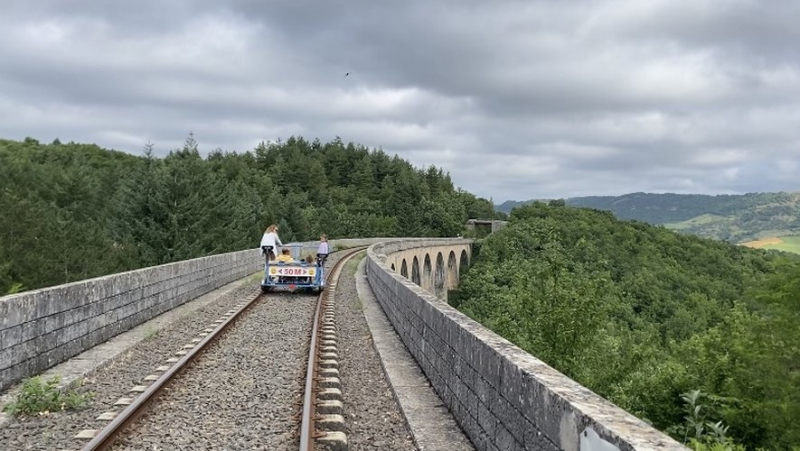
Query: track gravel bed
pixel 372 417
pixel 242 392
pixel 56 430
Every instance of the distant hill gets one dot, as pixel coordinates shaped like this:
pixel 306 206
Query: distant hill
pixel 734 218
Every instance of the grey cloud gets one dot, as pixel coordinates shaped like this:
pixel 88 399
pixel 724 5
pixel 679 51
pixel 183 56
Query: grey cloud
pixel 515 99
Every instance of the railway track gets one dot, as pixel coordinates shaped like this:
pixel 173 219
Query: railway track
pixel 319 420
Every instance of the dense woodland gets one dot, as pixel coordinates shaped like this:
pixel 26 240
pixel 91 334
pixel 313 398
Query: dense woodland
pixel 733 218
pixel 655 321
pixel 74 211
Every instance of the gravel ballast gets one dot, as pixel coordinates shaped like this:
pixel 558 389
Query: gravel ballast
pixel 56 430
pixel 242 392
pixel 372 417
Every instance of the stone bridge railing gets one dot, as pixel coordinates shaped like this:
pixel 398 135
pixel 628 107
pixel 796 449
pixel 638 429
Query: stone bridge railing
pixel 503 397
pixel 41 328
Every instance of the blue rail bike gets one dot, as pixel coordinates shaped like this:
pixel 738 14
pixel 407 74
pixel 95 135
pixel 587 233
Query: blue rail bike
pixel 299 273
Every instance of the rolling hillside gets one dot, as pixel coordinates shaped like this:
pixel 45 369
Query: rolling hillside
pixel 733 218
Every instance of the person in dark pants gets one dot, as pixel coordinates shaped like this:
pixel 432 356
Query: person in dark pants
pixel 323 250
pixel 271 239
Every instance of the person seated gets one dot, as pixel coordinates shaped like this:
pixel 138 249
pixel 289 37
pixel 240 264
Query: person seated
pixel 285 257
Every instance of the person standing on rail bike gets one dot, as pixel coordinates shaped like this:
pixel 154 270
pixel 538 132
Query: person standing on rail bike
pixel 323 250
pixel 271 239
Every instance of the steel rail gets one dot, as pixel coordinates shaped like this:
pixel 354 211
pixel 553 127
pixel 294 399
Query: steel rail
pixel 109 433
pixel 307 423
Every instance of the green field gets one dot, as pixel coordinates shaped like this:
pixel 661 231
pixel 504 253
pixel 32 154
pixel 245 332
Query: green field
pixel 701 220
pixel 788 244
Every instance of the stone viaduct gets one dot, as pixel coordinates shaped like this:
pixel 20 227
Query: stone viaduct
pixel 436 268
pixel 501 396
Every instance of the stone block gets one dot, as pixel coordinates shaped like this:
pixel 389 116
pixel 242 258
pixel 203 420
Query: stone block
pixel 457 409
pixel 509 417
pixel 432 339
pixel 446 394
pixel 471 401
pixel 489 362
pixel 533 439
pixel 486 392
pixel 72 295
pixel 505 441
pixel 439 324
pixel 13 356
pixel 4 306
pixel 470 425
pixel 468 374
pixel 483 441
pixel 464 344
pixel 487 421
pixel 541 407
pixel 436 381
pixel 21 308
pixel 512 385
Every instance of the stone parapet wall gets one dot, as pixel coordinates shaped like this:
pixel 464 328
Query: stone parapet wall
pixel 41 328
pixel 501 396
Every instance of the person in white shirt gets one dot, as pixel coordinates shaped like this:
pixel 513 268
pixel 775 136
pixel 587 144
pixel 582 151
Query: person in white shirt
pixel 323 250
pixel 271 238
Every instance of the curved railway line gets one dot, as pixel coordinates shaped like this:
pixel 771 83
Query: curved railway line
pixel 321 379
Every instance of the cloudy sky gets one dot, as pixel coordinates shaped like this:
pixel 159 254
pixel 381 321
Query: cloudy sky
pixel 516 99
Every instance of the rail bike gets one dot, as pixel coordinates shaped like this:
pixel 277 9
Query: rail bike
pixel 303 271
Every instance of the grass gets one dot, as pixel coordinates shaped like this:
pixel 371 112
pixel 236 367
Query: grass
pixel 696 221
pixel 762 242
pixel 40 397
pixel 357 306
pixel 352 268
pixel 352 265
pixel 150 332
pixel 256 277
pixel 790 243
pixel 787 243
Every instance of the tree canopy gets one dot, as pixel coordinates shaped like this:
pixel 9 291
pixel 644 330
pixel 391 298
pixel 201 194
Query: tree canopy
pixel 73 211
pixel 642 315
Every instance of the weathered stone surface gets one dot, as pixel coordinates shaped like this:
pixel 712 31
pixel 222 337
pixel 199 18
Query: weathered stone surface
pixel 502 397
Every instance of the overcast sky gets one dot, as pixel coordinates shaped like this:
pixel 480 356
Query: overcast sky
pixel 516 99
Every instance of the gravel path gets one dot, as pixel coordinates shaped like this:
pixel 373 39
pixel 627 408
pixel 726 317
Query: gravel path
pixel 242 392
pixel 56 430
pixel 372 416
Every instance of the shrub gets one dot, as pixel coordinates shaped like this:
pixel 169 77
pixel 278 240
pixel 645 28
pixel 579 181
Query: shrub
pixel 38 396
